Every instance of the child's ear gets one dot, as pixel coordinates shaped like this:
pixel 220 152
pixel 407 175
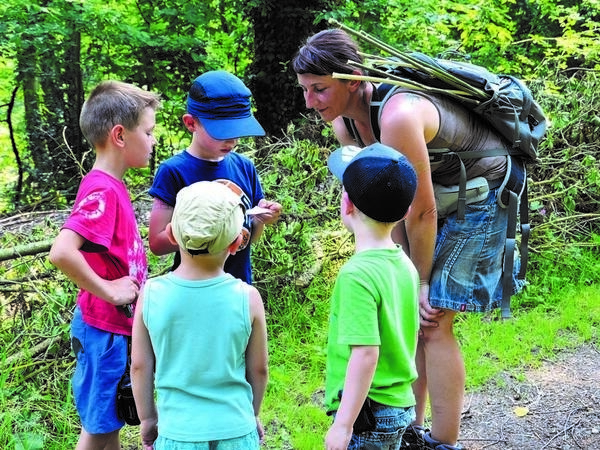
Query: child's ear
pixel 189 122
pixel 116 135
pixel 347 205
pixel 170 235
pixel 235 245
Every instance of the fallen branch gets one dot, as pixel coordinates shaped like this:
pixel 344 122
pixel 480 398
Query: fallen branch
pixel 30 352
pixel 25 250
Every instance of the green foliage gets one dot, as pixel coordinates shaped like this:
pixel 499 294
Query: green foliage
pixel 295 264
pixel 163 45
pixel 511 36
pixel 63 48
pixel 288 168
pixel 36 408
pixel 565 192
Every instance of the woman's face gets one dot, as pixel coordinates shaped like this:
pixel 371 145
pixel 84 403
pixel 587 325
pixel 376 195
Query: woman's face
pixel 325 94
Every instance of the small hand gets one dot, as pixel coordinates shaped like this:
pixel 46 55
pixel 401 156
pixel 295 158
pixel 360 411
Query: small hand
pixel 261 431
pixel 123 291
pixel 338 437
pixel 149 433
pixel 269 217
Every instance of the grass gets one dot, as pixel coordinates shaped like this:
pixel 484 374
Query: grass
pixel 295 265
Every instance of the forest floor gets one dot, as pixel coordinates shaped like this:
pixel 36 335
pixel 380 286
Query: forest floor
pixel 556 406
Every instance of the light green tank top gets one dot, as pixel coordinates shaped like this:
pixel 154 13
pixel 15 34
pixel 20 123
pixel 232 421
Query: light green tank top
pixel 199 332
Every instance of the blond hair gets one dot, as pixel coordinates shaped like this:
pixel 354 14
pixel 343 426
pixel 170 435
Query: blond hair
pixel 112 103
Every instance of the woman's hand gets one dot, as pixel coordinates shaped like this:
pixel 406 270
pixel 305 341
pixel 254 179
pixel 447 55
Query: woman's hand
pixel 429 315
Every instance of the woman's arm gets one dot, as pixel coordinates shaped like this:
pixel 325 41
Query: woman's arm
pixel 408 122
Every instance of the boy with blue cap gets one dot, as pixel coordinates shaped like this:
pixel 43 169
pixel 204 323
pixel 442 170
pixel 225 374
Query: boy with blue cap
pixel 374 321
pixel 218 114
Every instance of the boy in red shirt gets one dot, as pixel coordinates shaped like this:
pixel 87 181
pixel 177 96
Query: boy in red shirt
pixel 100 249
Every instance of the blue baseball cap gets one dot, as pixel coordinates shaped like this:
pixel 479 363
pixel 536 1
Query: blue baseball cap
pixel 379 180
pixel 221 102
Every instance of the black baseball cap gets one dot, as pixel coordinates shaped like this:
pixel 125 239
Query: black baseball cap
pixel 379 180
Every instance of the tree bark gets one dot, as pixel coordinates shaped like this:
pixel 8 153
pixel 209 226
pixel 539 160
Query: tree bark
pixel 279 30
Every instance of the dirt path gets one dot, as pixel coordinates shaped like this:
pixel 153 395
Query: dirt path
pixel 561 408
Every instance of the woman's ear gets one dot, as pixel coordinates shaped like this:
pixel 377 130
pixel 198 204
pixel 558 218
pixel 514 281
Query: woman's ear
pixel 354 85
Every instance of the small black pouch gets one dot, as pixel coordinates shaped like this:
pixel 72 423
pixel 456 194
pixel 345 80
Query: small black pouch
pixel 365 421
pixel 126 409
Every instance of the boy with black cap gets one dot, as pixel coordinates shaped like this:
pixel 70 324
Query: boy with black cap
pixel 199 334
pixel 218 114
pixel 374 320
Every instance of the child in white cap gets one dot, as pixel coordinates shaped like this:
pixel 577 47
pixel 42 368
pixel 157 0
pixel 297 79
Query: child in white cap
pixel 199 337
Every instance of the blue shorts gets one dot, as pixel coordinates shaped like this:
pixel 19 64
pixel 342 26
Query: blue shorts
pixel 390 423
pixel 468 259
pixel 247 442
pixel 101 361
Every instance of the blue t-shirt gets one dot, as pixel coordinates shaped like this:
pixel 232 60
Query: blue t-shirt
pixel 183 169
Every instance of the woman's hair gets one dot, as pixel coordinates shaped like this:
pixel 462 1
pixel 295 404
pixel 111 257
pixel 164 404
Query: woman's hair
pixel 111 103
pixel 327 52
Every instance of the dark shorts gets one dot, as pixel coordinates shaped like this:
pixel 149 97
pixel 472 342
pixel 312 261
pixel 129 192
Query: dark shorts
pixel 468 259
pixel 101 360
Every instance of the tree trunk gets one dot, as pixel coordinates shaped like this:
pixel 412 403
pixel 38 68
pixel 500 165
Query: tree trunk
pixel 280 27
pixel 26 74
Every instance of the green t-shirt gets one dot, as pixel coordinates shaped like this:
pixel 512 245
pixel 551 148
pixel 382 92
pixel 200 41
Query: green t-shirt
pixel 375 302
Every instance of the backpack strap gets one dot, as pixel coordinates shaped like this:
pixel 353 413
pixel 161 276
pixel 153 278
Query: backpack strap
pixel 525 230
pixel 378 98
pixel 509 255
pixel 380 95
pixel 353 131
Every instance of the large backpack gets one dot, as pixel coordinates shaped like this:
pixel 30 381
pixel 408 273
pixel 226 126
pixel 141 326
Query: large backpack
pixel 503 101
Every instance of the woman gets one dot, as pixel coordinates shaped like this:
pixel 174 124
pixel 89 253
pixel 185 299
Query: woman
pixel 459 261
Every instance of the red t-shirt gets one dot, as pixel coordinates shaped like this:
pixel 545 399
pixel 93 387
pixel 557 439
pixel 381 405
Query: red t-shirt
pixel 104 216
